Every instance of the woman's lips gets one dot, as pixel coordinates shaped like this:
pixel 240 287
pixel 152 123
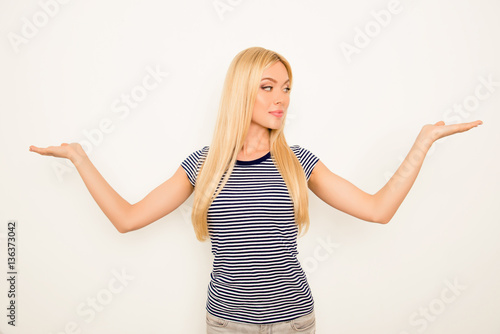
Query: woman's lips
pixel 277 113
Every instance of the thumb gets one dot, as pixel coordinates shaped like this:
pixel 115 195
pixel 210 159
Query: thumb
pixel 439 123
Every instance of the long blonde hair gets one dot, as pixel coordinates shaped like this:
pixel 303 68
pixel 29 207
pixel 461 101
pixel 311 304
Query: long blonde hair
pixel 233 120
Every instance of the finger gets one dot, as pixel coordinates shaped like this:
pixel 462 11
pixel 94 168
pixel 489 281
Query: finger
pixel 43 151
pixel 462 127
pixel 35 149
pixel 439 123
pixel 475 123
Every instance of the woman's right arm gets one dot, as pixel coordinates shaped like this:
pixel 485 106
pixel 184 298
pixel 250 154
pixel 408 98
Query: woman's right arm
pixel 124 216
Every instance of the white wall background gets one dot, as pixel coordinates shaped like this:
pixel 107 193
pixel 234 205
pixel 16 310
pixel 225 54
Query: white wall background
pixel 359 114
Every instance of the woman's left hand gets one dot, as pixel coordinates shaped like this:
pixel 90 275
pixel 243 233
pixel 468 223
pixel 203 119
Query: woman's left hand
pixel 438 130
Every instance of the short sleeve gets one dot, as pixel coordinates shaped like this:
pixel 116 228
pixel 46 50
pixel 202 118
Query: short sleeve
pixel 306 158
pixel 193 163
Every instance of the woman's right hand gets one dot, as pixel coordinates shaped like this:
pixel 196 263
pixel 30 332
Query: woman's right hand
pixel 71 151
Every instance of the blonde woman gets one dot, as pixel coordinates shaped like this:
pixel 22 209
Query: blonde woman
pixel 251 199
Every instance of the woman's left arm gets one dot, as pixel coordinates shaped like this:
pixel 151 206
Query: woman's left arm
pixel 389 198
pixel 381 206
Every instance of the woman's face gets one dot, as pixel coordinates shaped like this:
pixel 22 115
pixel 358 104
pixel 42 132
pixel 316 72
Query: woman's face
pixel 273 97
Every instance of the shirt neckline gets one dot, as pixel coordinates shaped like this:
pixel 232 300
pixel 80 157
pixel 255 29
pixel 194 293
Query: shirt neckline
pixel 255 161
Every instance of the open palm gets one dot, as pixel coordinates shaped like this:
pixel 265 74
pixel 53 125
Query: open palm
pixel 65 150
pixel 440 130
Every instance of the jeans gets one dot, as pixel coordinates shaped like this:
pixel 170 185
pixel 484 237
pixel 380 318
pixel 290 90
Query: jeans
pixel 305 325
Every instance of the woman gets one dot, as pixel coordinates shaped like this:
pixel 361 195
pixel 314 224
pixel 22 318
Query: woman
pixel 251 199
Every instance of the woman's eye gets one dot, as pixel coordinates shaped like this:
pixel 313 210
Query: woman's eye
pixel 287 89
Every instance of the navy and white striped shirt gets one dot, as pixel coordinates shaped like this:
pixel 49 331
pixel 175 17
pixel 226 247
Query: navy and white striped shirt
pixel 256 276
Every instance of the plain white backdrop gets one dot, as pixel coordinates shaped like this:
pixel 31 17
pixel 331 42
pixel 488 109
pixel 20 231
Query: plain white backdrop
pixel 367 76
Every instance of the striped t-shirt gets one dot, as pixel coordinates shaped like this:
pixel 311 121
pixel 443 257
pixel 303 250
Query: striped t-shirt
pixel 256 276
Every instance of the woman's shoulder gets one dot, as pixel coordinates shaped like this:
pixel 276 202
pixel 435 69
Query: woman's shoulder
pixel 304 155
pixel 300 150
pixel 194 156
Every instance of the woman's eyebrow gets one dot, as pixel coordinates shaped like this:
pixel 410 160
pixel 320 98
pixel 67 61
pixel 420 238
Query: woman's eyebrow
pixel 273 80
